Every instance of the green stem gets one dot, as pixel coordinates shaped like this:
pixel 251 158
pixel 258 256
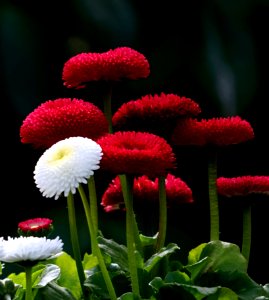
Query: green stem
pixel 162 214
pixel 213 195
pixel 75 240
pixel 28 276
pixel 246 241
pixel 95 247
pixel 87 210
pixel 93 203
pixel 127 184
pixel 107 106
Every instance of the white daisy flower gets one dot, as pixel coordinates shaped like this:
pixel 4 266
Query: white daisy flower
pixel 65 165
pixel 29 248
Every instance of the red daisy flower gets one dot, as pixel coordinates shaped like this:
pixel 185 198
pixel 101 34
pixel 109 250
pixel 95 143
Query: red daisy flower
pixel 243 185
pixel 137 153
pixel 215 131
pixel 154 109
pixel 113 65
pixel 58 119
pixel 35 227
pixel 227 131
pixel 144 189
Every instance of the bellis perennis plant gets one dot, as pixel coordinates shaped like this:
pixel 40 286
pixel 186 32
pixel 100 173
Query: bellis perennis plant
pixel 135 148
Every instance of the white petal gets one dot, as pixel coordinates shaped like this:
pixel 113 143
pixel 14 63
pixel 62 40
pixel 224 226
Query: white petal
pixel 29 248
pixel 65 165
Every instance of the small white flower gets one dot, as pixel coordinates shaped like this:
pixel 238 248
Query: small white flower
pixel 29 248
pixel 65 165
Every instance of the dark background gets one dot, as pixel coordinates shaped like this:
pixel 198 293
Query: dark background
pixel 215 52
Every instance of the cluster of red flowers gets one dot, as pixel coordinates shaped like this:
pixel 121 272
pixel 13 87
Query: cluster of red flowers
pixel 145 189
pixel 130 151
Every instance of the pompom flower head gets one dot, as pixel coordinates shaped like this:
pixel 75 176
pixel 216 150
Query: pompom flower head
pixel 35 227
pixel 136 153
pixel 65 165
pixel 113 65
pixel 146 190
pixel 243 185
pixel 216 131
pixel 148 112
pixel 244 188
pixel 213 134
pixel 29 250
pixel 227 131
pixel 58 119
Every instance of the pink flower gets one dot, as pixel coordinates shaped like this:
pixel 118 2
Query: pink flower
pixel 136 153
pixel 62 118
pixel 113 65
pixel 145 189
pixel 35 227
pixel 243 185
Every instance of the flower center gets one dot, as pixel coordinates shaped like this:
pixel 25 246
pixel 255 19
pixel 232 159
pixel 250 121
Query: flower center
pixel 60 155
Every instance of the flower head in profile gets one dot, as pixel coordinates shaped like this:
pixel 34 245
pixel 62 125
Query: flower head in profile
pixel 29 249
pixel 145 189
pixel 137 153
pixel 243 185
pixel 65 165
pixel 149 111
pixel 55 120
pixel 113 65
pixel 216 131
pixel 227 131
pixel 35 227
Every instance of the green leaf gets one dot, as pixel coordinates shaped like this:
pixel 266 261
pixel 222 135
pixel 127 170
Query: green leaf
pixel 166 290
pixel 266 288
pixel 216 255
pixel 48 274
pixel 155 258
pixel 56 292
pixel 69 276
pixel 18 278
pixel 89 261
pixel 96 283
pixel 194 254
pixel 222 264
pixel 148 240
pixel 245 287
pixel 117 252
pixel 177 277
pixel 223 294
pixel 225 256
pixel 198 268
pixel 128 296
